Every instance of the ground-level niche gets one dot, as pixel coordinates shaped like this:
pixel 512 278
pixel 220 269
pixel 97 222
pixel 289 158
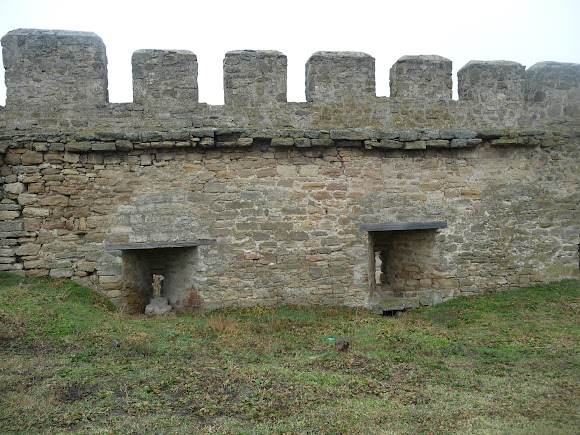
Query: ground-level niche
pixel 402 259
pixel 179 263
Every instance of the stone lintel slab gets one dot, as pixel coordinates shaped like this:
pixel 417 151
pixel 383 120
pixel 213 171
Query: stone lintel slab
pixel 404 226
pixel 159 245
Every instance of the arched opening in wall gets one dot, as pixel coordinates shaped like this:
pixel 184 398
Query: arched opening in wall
pixel 401 267
pixel 179 263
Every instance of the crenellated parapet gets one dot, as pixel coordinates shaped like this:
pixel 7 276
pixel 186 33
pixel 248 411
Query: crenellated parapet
pixel 64 72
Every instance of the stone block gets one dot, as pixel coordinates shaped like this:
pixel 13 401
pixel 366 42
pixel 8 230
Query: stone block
pixel 32 158
pixel 27 198
pixel 13 158
pixel 78 147
pixel 12 225
pixel 8 215
pixel 104 146
pixel 36 188
pixel 54 200
pixel 28 249
pixel 36 273
pixel 14 188
pixel 61 273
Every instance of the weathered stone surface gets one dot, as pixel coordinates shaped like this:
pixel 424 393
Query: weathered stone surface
pixel 27 199
pixel 423 77
pixel 45 67
pixel 165 77
pixel 8 215
pixel 339 77
pixel 491 80
pixel 34 212
pixel 61 273
pixel 555 86
pixel 254 78
pixel 27 250
pixel 32 158
pixel 14 188
pixel 11 225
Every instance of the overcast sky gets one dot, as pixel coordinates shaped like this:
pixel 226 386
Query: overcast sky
pixel 522 31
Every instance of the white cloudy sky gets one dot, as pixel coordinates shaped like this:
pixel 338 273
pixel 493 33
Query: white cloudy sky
pixel 525 31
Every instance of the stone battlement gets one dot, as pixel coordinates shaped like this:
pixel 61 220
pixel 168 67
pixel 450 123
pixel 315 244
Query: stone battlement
pixel 65 72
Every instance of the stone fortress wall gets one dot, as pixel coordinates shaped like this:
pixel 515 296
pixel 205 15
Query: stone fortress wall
pixel 347 198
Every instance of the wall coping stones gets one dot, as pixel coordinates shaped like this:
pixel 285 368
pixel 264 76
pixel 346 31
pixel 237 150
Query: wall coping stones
pixel 243 137
pixel 159 245
pixel 404 226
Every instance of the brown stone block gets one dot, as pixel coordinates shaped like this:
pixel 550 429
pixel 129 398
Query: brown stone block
pixel 225 174
pixel 434 185
pixel 332 172
pixel 54 200
pixel 67 190
pixel 35 273
pixel 268 258
pixel 337 186
pixel 13 158
pixel 322 195
pixel 313 186
pixel 286 182
pixel 36 188
pixel 124 199
pixel 31 178
pixel 192 167
pixel 29 249
pixel 34 264
pixel 53 226
pixel 32 158
pixel 269 172
pixel 473 194
pixel 34 212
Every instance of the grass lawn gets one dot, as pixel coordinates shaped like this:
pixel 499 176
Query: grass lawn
pixel 498 363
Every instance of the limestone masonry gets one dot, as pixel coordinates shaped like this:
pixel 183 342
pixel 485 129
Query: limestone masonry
pixel 347 198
